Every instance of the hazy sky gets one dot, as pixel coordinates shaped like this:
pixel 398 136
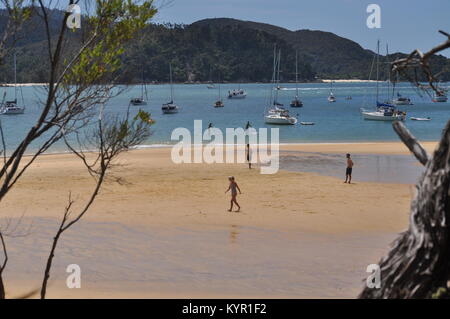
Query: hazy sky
pixel 405 24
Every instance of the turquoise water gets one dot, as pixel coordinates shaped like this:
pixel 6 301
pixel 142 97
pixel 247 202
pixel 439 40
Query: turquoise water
pixel 335 122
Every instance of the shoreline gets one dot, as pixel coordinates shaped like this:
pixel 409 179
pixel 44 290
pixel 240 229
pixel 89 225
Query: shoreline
pixel 368 147
pixel 321 81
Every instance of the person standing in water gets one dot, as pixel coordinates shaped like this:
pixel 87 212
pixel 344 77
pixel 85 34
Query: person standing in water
pixel 248 152
pixel 234 188
pixel 348 172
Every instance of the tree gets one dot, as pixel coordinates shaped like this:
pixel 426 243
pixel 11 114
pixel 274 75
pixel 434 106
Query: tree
pixel 418 264
pixel 78 88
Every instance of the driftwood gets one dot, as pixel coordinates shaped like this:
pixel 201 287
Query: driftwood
pixel 418 263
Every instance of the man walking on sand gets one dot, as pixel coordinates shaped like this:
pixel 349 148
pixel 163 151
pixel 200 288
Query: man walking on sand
pixel 348 172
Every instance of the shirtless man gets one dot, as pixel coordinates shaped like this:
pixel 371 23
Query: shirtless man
pixel 348 172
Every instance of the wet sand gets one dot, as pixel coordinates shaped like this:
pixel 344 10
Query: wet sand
pixel 164 231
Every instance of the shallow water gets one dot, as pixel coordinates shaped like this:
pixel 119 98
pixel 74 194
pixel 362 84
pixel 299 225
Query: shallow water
pixel 403 169
pixel 335 122
pixel 224 261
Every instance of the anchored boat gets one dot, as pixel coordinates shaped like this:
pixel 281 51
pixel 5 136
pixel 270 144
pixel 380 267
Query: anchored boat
pixel 170 107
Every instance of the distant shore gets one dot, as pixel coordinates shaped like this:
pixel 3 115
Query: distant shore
pixel 206 83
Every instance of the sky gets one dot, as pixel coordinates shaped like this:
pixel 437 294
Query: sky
pixel 405 24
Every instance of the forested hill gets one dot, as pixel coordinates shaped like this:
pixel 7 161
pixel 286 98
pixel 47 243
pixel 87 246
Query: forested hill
pixel 212 49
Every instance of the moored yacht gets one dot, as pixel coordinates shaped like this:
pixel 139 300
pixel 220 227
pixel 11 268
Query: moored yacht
pixel 401 100
pixel 383 111
pixel 170 107
pixel 237 94
pixel 331 97
pixel 12 107
pixel 296 102
pixel 276 114
pixel 440 97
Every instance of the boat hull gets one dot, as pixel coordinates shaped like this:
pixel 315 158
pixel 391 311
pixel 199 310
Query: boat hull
pixel 278 120
pixel 401 102
pixel 377 116
pixel 440 99
pixel 138 103
pixel 296 104
pixel 169 109
pixel 237 97
pixel 12 112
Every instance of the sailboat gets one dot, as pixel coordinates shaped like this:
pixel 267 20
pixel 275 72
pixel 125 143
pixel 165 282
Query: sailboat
pixel 170 107
pixel 219 102
pixel 331 97
pixel 237 93
pixel 440 96
pixel 276 114
pixel 296 102
pixel 11 107
pixel 144 97
pixel 384 111
pixel 399 100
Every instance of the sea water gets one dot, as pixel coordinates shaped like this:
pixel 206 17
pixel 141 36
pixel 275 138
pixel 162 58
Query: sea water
pixel 334 122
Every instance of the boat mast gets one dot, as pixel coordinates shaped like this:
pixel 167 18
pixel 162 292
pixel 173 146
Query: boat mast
pixel 278 77
pixel 220 95
pixel 389 74
pixel 171 84
pixel 296 73
pixel 15 77
pixel 142 85
pixel 378 66
pixel 273 74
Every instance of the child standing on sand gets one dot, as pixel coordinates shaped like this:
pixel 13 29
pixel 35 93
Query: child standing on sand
pixel 234 188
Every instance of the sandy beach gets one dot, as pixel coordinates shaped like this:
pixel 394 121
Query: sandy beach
pixel 164 230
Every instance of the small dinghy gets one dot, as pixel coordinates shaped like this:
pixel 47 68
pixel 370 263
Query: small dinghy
pixel 307 123
pixel 421 118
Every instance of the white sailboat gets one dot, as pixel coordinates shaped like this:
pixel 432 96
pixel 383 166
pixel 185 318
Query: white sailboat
pixel 383 111
pixel 331 97
pixel 142 100
pixel 170 107
pixel 296 102
pixel 11 107
pixel 276 114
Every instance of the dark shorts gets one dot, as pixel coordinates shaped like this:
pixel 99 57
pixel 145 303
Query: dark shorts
pixel 349 171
